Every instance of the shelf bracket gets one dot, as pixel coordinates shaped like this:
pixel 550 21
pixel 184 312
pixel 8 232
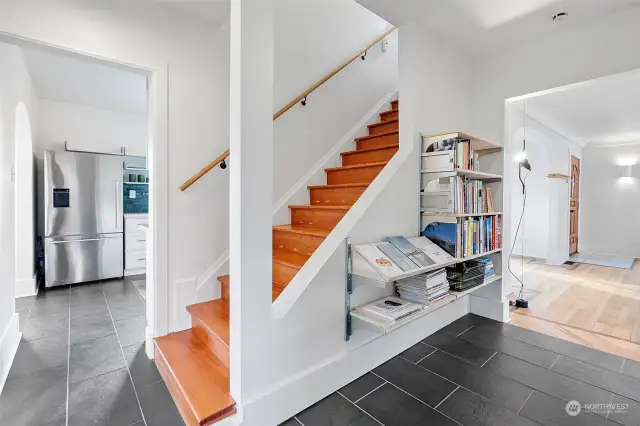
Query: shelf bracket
pixel 348 288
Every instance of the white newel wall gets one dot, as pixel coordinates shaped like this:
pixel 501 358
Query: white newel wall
pixel 307 355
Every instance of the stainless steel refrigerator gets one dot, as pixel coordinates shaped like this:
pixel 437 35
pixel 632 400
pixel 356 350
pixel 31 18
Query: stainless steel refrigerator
pixel 83 217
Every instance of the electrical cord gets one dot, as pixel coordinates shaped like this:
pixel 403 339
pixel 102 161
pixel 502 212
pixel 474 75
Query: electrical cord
pixel 524 205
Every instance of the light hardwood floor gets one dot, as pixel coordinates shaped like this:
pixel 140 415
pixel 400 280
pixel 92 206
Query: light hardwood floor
pixel 591 305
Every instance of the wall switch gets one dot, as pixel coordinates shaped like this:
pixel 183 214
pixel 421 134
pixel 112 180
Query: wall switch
pixel 385 44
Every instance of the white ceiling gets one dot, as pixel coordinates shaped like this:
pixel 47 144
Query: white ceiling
pixel 215 12
pixel 84 81
pixel 601 112
pixel 480 27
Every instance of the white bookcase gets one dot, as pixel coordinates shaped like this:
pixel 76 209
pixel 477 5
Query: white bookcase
pixel 437 195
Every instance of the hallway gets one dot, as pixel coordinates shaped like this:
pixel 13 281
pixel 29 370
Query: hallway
pixel 82 356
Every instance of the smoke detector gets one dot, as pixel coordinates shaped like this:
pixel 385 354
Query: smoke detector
pixel 560 16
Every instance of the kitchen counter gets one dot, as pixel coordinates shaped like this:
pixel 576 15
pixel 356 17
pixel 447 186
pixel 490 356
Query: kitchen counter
pixel 137 215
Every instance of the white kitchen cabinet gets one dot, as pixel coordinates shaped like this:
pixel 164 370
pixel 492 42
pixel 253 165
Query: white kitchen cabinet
pixel 135 244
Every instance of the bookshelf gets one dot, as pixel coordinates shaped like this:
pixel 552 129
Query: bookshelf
pixel 385 327
pixel 443 179
pixel 461 191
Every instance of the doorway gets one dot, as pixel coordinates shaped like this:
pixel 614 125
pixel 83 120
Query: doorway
pixel 574 205
pixel 575 251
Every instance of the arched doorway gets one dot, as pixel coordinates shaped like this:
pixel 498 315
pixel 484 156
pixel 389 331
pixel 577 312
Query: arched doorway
pixel 24 203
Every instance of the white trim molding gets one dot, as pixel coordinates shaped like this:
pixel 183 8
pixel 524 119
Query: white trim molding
pixel 26 287
pixel 8 347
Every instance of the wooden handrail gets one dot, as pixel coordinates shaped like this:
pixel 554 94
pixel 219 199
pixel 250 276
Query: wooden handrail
pixel 206 169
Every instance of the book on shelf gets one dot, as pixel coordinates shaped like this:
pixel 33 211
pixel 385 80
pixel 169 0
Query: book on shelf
pixel 390 260
pixel 478 235
pixel 466 157
pixel 424 288
pixel 469 236
pixel 442 234
pixel 390 309
pixel 416 255
pixel 472 196
pixel 399 258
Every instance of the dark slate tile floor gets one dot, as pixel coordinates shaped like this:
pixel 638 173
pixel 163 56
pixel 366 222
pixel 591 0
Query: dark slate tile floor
pixel 481 372
pixel 82 362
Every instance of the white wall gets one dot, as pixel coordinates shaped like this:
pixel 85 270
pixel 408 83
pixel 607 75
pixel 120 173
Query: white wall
pixel 310 335
pixel 603 48
pixel 541 234
pixel 24 204
pixel 609 203
pixel 15 87
pixel 149 35
pixel 89 128
pixel 311 39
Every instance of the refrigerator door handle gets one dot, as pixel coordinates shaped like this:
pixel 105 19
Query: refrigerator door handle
pixel 76 241
pixel 117 227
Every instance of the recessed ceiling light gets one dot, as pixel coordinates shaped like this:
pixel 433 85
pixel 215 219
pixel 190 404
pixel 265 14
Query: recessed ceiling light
pixel 560 16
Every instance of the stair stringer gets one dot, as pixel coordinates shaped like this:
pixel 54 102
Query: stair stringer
pixel 347 225
pixel 208 286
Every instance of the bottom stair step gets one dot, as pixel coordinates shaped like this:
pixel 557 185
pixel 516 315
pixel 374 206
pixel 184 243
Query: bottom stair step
pixel 197 380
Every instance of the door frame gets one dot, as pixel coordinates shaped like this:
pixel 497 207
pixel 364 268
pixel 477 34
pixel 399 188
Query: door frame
pixel 157 162
pixel 571 158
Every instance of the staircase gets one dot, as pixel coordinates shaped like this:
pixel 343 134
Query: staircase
pixel 195 363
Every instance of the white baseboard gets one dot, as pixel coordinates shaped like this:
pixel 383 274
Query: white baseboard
pixel 26 287
pixel 8 347
pixel 183 294
pixel 287 399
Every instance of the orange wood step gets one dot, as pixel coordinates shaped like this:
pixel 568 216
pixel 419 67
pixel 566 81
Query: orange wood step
pixel 395 104
pixel 360 173
pixel 371 155
pixel 389 115
pixel 224 286
pixel 324 217
pixel 381 139
pixel 383 127
pixel 211 320
pixel 345 194
pixel 197 380
pixel 289 258
pixel 276 286
pixel 298 239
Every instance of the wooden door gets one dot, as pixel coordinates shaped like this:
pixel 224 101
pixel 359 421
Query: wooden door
pixel 574 205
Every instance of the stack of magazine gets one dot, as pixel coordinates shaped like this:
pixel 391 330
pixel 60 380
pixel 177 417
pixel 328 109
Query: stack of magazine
pixel 425 288
pixel 389 310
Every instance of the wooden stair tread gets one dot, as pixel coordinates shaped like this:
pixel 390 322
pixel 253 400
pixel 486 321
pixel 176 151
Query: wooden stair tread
pixel 339 185
pixel 383 123
pixel 201 378
pixel 306 230
pixel 214 314
pixel 322 207
pixel 365 150
pixel 289 258
pixel 358 166
pixel 379 135
pixel 389 112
